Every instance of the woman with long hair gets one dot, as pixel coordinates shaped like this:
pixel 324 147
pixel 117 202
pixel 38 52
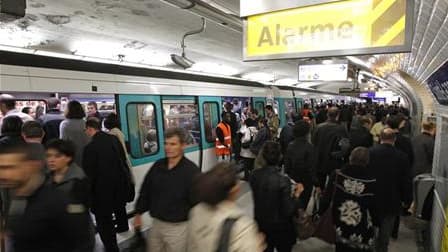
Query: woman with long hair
pixel 73 127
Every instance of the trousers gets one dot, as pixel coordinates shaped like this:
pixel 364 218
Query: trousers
pixel 384 233
pixel 167 237
pixel 108 223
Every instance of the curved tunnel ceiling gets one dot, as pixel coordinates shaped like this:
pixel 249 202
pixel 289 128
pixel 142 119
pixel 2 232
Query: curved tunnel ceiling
pixel 144 31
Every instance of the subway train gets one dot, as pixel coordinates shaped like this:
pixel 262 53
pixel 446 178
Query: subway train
pixel 147 105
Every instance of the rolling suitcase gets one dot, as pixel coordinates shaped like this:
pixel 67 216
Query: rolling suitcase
pixel 422 187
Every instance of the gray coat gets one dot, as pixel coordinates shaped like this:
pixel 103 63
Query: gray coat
pixel 423 145
pixel 73 130
pixel 74 175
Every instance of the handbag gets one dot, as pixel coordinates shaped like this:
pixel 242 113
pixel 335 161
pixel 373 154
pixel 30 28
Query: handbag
pixel 247 144
pixel 129 185
pixel 137 244
pixel 306 220
pixel 223 245
pixel 325 229
pixel 306 226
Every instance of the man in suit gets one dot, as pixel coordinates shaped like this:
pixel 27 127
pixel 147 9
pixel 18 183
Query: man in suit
pixel 404 144
pixel 52 119
pixel 104 162
pixel 392 170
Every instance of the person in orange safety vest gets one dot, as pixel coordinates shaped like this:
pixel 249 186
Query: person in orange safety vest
pixel 223 143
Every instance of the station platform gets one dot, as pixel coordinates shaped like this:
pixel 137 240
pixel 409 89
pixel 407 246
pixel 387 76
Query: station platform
pixel 405 241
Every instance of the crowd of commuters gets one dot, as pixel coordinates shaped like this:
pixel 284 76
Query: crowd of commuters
pixel 57 169
pixel 360 158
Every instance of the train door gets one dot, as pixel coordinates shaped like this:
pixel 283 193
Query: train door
pixel 299 104
pixel 210 110
pixel 259 103
pixel 287 109
pixel 142 126
pixel 182 112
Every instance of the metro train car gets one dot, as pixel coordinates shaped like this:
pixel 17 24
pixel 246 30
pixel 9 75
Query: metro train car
pixel 147 105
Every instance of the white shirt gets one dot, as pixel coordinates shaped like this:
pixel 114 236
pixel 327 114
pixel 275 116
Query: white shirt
pixel 248 132
pixel 15 112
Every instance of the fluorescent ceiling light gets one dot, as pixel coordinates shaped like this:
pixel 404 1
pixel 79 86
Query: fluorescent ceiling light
pixel 259 76
pixel 327 62
pixel 157 59
pixel 19 38
pixel 372 60
pixel 359 62
pixel 100 51
pixel 285 82
pixel 183 4
pixel 303 93
pixel 214 68
pixel 58 55
pixel 16 49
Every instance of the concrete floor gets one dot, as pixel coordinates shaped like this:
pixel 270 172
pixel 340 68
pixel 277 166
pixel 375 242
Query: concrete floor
pixel 405 242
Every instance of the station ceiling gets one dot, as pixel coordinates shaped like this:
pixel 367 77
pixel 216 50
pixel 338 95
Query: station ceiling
pixel 148 31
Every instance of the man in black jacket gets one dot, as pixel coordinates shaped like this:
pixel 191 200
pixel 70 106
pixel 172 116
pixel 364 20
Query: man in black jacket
pixel 287 135
pixel 404 144
pixel 325 137
pixel 392 171
pixel 103 162
pixel 92 110
pixel 51 120
pixel 166 194
pixel 274 201
pixel 39 218
pixel 299 160
pixel 423 145
pixel 361 136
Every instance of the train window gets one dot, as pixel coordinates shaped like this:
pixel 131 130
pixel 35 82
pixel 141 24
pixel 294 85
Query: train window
pixel 183 114
pixel 259 106
pixel 211 119
pixel 142 129
pixel 240 105
pixel 290 109
pixel 35 108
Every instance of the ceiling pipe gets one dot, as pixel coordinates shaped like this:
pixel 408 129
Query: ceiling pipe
pixel 183 4
pixel 209 12
pixel 182 60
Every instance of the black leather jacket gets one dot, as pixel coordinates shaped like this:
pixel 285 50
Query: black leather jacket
pixel 299 161
pixel 274 205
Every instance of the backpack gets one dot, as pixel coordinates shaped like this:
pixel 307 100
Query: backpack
pixel 255 147
pixel 246 145
pixel 224 240
pixel 340 147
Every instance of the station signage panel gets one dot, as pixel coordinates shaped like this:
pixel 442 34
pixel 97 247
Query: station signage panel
pixel 249 7
pixel 354 92
pixel 323 72
pixel 338 28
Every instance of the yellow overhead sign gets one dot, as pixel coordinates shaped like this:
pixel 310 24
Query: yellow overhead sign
pixel 338 28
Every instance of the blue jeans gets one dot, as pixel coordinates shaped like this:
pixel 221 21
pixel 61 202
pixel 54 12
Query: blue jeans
pixel 384 233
